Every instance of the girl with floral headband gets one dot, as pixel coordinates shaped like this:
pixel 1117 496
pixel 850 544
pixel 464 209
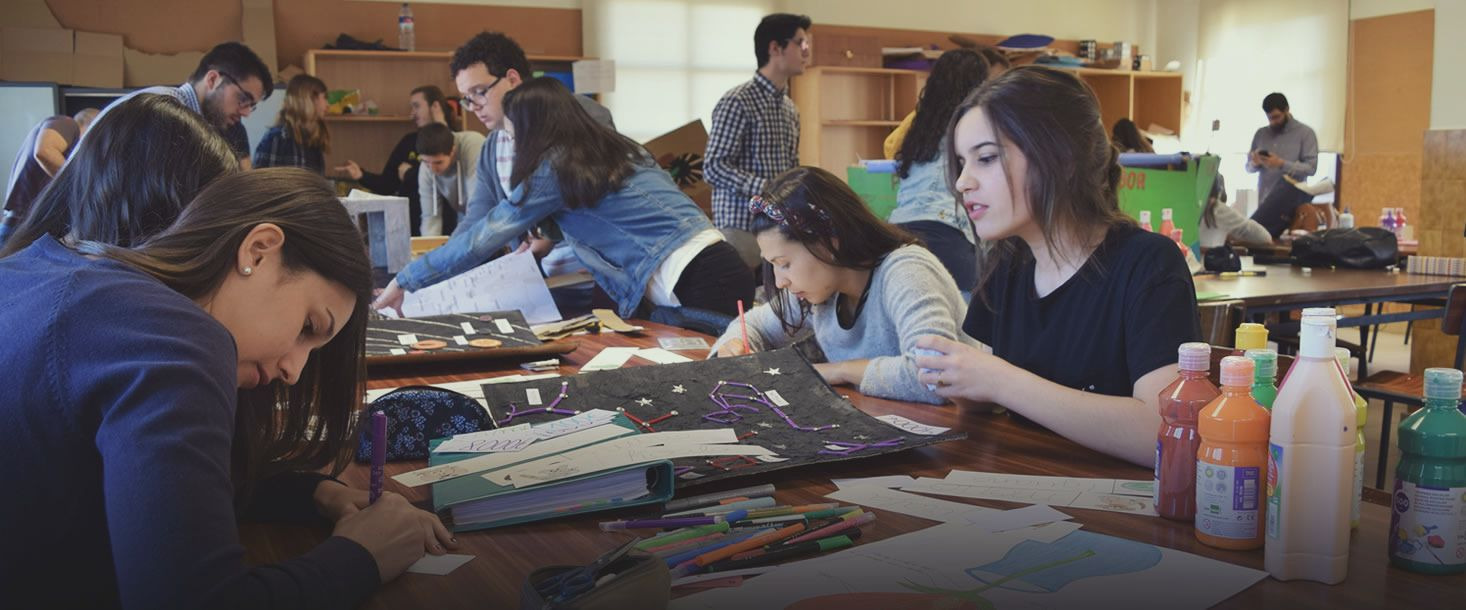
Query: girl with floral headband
pixel 865 288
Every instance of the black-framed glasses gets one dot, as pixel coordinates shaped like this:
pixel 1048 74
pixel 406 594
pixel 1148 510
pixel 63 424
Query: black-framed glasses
pixel 247 100
pixel 478 96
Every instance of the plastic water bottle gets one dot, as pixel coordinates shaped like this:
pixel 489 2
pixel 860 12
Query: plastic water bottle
pixel 1427 531
pixel 406 40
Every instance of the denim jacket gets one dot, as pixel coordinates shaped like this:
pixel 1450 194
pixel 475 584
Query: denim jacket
pixel 923 195
pixel 622 239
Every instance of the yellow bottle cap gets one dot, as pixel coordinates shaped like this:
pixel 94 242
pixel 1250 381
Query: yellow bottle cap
pixel 1251 335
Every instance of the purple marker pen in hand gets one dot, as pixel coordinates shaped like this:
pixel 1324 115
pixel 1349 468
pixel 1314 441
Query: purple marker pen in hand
pixel 379 453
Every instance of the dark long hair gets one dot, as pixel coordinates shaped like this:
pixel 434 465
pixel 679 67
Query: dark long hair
pixel 956 75
pixel 589 158
pixel 820 211
pixel 433 95
pixel 130 176
pixel 1073 171
pixel 1128 138
pixel 314 425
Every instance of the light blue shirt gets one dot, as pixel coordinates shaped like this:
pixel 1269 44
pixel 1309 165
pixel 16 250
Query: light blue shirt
pixel 923 195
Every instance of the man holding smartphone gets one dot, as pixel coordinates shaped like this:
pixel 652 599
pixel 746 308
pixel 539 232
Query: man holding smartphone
pixel 1286 147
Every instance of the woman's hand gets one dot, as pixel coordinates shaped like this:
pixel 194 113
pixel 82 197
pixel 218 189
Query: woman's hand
pixel 962 371
pixel 733 348
pixel 390 298
pixel 395 533
pixel 351 169
pixel 850 372
pixel 336 501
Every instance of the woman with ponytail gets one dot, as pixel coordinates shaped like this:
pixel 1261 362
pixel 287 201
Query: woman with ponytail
pixel 1083 310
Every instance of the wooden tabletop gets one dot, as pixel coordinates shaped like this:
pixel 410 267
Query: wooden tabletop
pixel 996 443
pixel 1286 285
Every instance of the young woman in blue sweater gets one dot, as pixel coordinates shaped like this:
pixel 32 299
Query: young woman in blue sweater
pixel 642 239
pixel 173 387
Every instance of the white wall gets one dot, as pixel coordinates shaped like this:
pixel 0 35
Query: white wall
pixel 1104 20
pixel 1364 9
pixel 1447 87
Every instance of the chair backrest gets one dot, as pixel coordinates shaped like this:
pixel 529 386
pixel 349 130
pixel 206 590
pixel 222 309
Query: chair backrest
pixel 1454 322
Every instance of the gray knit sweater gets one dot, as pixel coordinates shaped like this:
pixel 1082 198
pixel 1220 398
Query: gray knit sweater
pixel 911 295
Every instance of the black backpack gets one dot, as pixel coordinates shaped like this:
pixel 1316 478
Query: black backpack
pixel 1362 248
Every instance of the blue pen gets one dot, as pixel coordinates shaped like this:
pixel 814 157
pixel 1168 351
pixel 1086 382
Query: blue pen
pixel 674 560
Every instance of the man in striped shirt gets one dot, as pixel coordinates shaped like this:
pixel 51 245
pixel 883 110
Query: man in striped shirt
pixel 755 132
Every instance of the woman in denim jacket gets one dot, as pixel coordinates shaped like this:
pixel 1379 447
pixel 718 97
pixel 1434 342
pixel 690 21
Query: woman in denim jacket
pixel 925 203
pixel 641 238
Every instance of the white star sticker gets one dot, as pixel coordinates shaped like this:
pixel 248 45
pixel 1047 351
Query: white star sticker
pixel 645 402
pixel 772 371
pixel 678 389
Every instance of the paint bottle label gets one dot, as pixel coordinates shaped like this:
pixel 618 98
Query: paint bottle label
pixel 1227 499
pixel 1274 490
pixel 1429 524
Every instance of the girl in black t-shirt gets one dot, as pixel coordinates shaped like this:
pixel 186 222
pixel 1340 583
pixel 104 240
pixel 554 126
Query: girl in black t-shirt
pixel 1084 310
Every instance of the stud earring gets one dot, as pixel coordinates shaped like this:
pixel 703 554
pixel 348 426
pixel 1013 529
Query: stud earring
pixel 247 270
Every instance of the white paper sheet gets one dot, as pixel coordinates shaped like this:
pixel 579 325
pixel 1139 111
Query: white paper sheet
pixel 625 452
pixel 594 75
pixel 955 565
pixel 1054 497
pixel 682 343
pixel 661 356
pixel 452 470
pixel 914 427
pixel 1018 518
pixel 574 423
pixel 512 438
pixel 510 282
pixel 909 504
pixel 439 565
pixel 1141 488
pixel 891 482
pixel 609 358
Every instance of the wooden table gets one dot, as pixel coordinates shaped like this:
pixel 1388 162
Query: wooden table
pixel 996 443
pixel 1289 288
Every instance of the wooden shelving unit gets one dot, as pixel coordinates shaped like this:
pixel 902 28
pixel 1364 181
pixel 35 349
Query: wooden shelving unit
pixel 387 77
pixel 845 113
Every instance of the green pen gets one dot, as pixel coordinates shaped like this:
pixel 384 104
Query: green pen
pixel 678 536
pixel 844 512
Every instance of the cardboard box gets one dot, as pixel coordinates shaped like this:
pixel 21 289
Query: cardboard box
pixel 30 14
pixel 680 152
pixel 97 60
pixel 35 54
pixel 141 69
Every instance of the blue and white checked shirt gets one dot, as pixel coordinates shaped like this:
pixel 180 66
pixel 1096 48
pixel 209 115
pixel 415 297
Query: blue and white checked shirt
pixel 755 137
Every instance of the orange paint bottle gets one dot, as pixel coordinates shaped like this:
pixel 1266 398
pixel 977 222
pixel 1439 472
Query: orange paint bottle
pixel 1232 462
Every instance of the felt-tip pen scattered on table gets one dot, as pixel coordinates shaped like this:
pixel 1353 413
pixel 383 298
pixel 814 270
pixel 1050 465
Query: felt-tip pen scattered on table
pixel 611 526
pixel 790 552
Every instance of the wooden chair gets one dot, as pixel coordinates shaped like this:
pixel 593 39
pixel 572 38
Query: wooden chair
pixel 1391 387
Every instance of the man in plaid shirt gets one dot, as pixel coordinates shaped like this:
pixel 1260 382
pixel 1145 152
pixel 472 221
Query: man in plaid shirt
pixel 755 133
